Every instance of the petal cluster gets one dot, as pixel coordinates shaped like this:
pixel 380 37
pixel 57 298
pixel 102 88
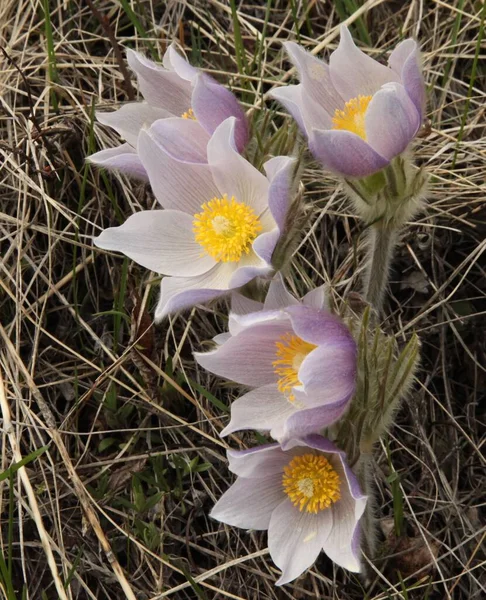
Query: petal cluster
pixel 304 494
pixel 356 113
pixel 174 89
pixel 298 358
pixel 222 217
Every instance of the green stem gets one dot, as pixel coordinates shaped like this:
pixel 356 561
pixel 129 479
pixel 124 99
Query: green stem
pixel 382 242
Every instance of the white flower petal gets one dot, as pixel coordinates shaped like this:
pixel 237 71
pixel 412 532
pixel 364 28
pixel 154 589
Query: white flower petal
pixel 295 538
pixel 247 357
pixel 176 184
pixel 264 409
pixel 249 503
pixel 130 118
pixel 355 73
pixel 159 240
pixel 234 175
pixel 179 293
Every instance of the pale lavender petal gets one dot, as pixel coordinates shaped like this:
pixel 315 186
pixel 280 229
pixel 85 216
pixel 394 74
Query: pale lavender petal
pixel 280 171
pixel 405 61
pixel 264 246
pixel 312 420
pixel 252 265
pixel 159 240
pixel 160 87
pixel 241 305
pixel 178 185
pixel 328 373
pixel 221 338
pixel 264 409
pixel 290 97
pixel 259 462
pixel 342 545
pixel 277 295
pixel 182 139
pixel 345 153
pixel 249 503
pixel 318 442
pixel 247 357
pixel 175 62
pixel 318 326
pixel 212 104
pixel 130 118
pixel 180 293
pixel 234 175
pixel 317 298
pixel 122 158
pixel 355 73
pixel 391 120
pixel 296 538
pixel 316 79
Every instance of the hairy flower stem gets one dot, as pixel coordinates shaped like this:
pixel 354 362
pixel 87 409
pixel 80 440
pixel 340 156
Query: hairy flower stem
pixel 382 242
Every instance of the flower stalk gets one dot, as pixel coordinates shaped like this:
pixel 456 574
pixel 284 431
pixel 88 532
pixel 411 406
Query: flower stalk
pixel 381 245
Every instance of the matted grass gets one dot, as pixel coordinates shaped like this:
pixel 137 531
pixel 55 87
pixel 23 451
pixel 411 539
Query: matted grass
pixel 116 427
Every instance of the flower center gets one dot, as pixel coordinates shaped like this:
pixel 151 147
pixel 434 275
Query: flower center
pixel 352 118
pixel 311 483
pixel 291 351
pixel 189 115
pixel 226 228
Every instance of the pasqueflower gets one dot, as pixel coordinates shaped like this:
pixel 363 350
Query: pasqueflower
pixel 356 113
pixel 222 221
pixel 175 89
pixel 299 359
pixel 304 494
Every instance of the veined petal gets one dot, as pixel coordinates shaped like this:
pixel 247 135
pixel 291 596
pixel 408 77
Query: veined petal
pixel 234 175
pixel 175 62
pixel 128 120
pixel 241 305
pixel 212 104
pixel 259 462
pixel 278 296
pixel 290 96
pixel 280 172
pixel 328 373
pixel 182 139
pixel 178 185
pixel 316 78
pixel 264 409
pixel 249 503
pixel 342 545
pixel 180 293
pixel 354 73
pixel 391 120
pixel 345 153
pixel 159 240
pixel 160 87
pixel 312 420
pixel 318 326
pixel 405 61
pixel 295 538
pixel 247 357
pixel 123 158
pixel 317 298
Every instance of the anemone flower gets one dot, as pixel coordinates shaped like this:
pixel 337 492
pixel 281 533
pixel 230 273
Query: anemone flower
pixel 222 221
pixel 299 359
pixel 175 89
pixel 356 113
pixel 304 494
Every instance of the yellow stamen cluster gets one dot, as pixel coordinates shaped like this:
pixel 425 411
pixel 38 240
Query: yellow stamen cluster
pixel 291 351
pixel 352 118
pixel 226 228
pixel 311 483
pixel 189 115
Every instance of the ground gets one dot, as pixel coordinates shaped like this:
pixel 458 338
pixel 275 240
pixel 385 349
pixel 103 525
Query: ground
pixel 115 423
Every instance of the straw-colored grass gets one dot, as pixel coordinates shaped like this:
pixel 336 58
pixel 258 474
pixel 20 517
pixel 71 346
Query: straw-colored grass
pixel 116 425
